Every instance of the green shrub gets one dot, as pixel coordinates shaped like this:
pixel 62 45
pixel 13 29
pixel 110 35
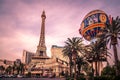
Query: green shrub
pixel 117 78
pixel 106 78
pixel 69 78
pixel 28 75
pixel 81 78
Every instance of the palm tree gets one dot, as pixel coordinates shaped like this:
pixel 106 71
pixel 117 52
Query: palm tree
pixel 112 32
pixel 5 61
pixel 19 67
pixel 22 68
pixel 98 53
pixel 73 46
pixel 14 68
pixel 67 53
pixel 80 61
pixel 9 69
pixel 2 68
pixel 108 70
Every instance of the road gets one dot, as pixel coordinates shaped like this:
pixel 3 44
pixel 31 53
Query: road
pixel 32 78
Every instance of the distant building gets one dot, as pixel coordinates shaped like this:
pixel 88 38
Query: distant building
pixel 56 52
pixel 26 58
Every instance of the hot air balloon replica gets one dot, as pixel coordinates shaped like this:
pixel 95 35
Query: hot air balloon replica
pixel 93 24
pixel 91 29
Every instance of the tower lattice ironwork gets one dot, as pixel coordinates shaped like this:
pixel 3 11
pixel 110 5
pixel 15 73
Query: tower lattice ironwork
pixel 41 48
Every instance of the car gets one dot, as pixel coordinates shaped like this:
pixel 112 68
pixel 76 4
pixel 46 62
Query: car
pixel 6 76
pixel 19 76
pixel 14 76
pixel 10 75
pixel 45 74
pixel 1 76
pixel 51 75
pixel 37 76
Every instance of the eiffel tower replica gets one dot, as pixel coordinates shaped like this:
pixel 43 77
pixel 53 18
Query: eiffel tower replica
pixel 40 55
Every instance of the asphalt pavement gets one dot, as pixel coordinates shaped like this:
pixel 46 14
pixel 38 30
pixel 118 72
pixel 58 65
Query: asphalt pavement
pixel 32 78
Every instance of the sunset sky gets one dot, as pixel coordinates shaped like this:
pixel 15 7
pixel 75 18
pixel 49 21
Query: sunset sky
pixel 20 22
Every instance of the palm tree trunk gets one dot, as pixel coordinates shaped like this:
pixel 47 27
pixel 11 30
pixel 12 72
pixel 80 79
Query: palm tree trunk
pixel 74 59
pixel 96 68
pixel 75 77
pixel 92 68
pixel 79 69
pixel 70 59
pixel 99 67
pixel 116 60
pixel 70 70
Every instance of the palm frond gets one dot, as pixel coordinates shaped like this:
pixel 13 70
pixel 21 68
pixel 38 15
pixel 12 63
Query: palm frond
pixel 108 40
